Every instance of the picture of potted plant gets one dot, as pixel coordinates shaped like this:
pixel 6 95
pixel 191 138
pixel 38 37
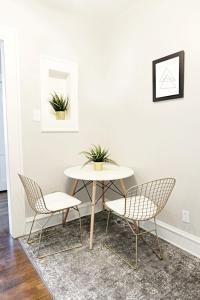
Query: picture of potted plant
pixel 98 156
pixel 60 105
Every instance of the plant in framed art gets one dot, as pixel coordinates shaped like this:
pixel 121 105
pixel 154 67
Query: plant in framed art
pixel 59 95
pixel 168 77
pixel 60 105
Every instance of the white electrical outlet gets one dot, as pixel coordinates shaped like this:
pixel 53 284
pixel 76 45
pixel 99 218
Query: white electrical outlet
pixel 185 216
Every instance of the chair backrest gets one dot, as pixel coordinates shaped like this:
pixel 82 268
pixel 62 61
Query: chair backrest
pixel 145 201
pixel 34 195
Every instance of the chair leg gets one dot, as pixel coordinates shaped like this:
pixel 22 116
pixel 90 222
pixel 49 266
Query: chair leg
pixel 132 265
pixel 160 255
pixel 159 252
pixel 136 232
pixel 28 240
pixel 136 242
pixel 136 251
pixel 108 218
pixel 81 232
pixel 65 249
pixel 40 235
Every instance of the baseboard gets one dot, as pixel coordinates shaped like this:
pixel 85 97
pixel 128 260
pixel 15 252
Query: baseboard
pixel 169 233
pixel 177 237
pixel 84 208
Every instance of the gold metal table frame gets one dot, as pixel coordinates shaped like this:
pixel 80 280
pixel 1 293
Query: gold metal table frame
pixel 95 178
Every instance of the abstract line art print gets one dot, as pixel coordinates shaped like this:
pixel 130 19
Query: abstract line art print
pixel 168 77
pixel 167 80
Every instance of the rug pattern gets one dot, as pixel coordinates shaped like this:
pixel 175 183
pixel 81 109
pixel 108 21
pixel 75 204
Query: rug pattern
pixel 81 274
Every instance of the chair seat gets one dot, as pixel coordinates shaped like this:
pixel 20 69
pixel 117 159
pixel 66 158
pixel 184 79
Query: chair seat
pixel 141 208
pixel 58 201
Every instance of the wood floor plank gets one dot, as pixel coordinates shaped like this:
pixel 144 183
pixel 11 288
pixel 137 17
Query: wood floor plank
pixel 18 278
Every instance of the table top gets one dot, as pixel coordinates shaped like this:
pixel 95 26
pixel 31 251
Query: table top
pixel 110 172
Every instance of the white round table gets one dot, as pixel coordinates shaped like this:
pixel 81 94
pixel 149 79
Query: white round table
pixel 109 174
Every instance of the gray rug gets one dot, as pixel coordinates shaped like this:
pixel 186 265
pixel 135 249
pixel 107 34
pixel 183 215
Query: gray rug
pixel 99 274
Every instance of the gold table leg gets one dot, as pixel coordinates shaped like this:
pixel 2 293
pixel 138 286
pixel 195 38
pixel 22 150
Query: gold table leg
pixel 65 215
pixel 75 183
pixel 103 197
pixel 123 186
pixel 92 213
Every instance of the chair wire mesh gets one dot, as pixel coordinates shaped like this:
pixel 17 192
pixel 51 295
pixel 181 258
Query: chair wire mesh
pixel 34 195
pixel 36 200
pixel 145 201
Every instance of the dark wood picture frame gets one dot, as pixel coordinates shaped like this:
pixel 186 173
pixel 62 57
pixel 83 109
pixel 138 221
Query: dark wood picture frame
pixel 181 55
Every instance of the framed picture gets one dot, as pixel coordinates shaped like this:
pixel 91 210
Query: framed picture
pixel 168 77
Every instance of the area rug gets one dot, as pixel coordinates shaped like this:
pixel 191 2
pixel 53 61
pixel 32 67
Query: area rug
pixel 81 274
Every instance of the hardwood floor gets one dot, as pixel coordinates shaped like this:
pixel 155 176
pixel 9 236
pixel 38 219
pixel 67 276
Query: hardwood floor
pixel 18 278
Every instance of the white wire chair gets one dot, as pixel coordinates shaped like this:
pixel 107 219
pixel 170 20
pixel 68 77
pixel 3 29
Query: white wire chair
pixel 49 204
pixel 140 203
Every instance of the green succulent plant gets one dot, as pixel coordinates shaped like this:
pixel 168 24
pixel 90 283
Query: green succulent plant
pixel 59 102
pixel 97 154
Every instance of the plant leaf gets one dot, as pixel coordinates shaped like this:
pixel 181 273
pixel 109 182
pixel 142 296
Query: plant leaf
pixel 97 154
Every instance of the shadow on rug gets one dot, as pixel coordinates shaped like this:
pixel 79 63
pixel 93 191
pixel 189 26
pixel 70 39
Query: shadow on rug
pixel 99 274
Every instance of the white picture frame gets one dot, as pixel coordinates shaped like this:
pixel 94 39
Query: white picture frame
pixel 60 76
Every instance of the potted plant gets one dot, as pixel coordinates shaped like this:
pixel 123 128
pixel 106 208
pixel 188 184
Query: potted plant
pixel 98 156
pixel 60 105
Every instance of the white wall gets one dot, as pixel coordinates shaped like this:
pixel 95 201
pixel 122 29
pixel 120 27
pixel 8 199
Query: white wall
pixel 47 32
pixel 3 185
pixel 115 94
pixel 157 139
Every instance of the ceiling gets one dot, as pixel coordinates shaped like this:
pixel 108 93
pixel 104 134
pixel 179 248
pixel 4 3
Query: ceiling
pixel 101 8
